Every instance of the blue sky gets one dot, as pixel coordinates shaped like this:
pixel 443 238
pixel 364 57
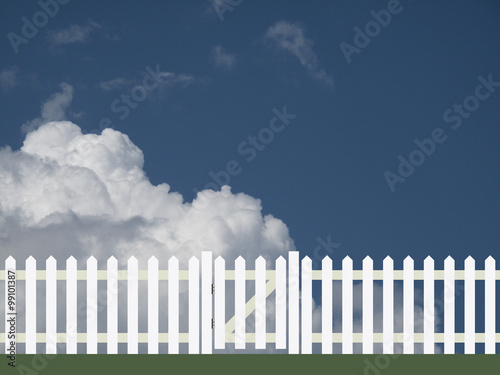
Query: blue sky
pixel 323 175
pixel 225 75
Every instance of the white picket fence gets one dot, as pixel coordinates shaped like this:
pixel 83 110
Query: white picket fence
pixel 209 329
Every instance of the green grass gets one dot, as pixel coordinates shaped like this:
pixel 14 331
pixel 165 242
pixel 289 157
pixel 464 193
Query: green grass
pixel 253 364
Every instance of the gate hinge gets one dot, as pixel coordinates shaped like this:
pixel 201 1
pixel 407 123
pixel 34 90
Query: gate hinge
pixel 213 289
pixel 213 323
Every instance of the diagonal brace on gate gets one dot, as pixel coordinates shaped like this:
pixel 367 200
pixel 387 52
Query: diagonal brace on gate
pixel 250 306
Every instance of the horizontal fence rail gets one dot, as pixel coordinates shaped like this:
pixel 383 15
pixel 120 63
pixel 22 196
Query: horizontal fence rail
pixel 291 307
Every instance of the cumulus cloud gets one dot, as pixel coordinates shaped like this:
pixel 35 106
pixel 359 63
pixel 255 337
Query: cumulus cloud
pixel 221 58
pixel 291 38
pixel 95 184
pixel 53 109
pixel 73 34
pixel 8 78
pixel 65 193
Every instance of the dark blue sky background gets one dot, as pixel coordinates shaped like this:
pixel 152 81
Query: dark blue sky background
pixel 323 174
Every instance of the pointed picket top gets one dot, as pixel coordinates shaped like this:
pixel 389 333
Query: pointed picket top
pixel 260 261
pixel 368 262
pixel 367 259
pixel 193 259
pixel 388 259
pixel 71 262
pixel 153 261
pixel 280 262
pixel 408 261
pixel 429 261
pixel 346 261
pixel 307 262
pixel 449 260
pixel 327 262
pixel 239 263
pixel 219 264
pixel 173 262
pixel 112 261
pixel 490 263
pixel 10 263
pixel 51 262
pixel 91 261
pixel 470 262
pixel 132 261
pixel 31 259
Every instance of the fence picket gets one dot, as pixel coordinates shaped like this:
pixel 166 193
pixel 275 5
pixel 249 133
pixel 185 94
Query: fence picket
pixel 51 306
pixel 293 302
pixel 173 305
pixel 206 302
pixel 194 305
pixel 92 305
pixel 367 305
pixel 408 306
pixel 153 304
pixel 132 306
pixel 260 303
pixel 388 306
pixel 71 306
pixel 220 303
pixel 470 309
pixel 306 305
pixel 347 306
pixel 428 305
pixel 490 306
pixel 31 305
pixel 280 298
pixel 326 306
pixel 10 311
pixel 112 305
pixel 449 305
pixel 239 303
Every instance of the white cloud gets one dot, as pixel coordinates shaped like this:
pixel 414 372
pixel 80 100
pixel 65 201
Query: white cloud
pixel 291 38
pixel 65 193
pixel 8 78
pixel 54 109
pixel 221 58
pixel 114 84
pixel 95 184
pixel 73 34
pixel 171 79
